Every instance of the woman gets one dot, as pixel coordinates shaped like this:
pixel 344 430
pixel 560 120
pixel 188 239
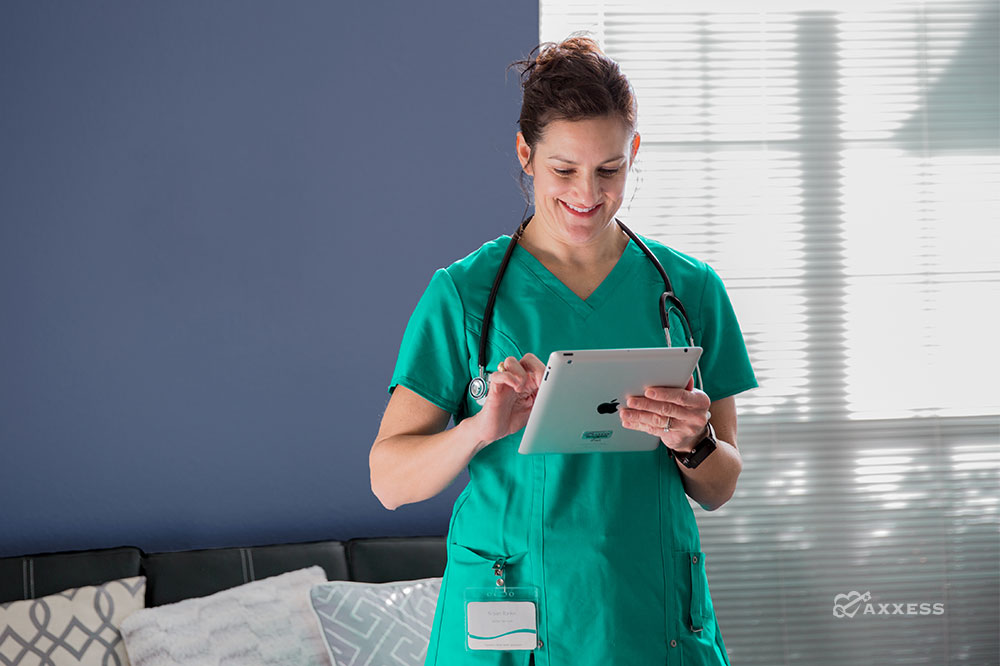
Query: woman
pixel 607 540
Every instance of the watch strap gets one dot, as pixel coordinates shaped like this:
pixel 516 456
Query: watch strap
pixel 702 449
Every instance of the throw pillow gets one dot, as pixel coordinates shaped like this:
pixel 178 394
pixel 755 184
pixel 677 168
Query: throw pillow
pixel 266 622
pixel 367 623
pixel 77 626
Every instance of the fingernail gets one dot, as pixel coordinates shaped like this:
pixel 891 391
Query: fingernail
pixel 651 393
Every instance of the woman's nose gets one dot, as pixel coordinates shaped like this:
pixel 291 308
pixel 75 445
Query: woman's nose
pixel 587 189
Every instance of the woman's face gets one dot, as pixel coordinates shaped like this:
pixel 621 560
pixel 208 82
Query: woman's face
pixel 581 164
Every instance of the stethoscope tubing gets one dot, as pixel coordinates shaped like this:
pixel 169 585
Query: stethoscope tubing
pixel 479 386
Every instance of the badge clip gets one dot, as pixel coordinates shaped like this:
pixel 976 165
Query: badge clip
pixel 498 569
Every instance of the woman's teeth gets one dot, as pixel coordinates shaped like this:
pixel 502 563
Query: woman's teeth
pixel 580 210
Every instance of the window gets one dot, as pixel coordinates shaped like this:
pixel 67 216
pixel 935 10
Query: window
pixel 839 166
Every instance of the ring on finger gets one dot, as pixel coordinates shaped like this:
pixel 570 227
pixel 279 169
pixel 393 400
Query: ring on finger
pixel 666 428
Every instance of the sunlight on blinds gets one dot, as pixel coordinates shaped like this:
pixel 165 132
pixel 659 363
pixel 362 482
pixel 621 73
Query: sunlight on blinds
pixel 920 205
pixel 690 92
pixel 922 264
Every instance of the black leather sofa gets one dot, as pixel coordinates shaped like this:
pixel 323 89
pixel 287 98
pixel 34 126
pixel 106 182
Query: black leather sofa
pixel 181 575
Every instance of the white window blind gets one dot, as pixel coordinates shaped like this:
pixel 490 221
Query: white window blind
pixel 839 165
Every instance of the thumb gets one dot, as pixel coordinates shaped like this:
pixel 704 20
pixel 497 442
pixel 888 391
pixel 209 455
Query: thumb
pixel 690 384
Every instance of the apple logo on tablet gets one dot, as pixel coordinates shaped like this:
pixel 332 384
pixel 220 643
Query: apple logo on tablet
pixel 608 407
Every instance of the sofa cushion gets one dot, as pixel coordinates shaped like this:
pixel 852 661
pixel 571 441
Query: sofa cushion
pixel 75 626
pixel 197 573
pixel 384 559
pixel 34 576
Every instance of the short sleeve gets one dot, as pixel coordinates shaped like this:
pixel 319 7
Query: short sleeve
pixel 725 364
pixel 433 358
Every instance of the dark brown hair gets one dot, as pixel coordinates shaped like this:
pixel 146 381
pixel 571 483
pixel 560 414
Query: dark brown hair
pixel 571 80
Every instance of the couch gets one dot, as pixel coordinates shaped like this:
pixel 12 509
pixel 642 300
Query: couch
pixel 172 577
pixel 181 575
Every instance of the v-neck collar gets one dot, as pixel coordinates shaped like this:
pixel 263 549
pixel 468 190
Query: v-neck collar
pixel 583 307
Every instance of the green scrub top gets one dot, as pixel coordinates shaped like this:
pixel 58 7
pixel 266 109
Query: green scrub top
pixel 609 539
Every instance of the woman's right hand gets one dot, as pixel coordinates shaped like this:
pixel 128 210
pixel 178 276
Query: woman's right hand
pixel 512 392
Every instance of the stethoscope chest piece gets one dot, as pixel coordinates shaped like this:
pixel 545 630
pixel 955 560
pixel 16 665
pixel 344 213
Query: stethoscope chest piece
pixel 479 387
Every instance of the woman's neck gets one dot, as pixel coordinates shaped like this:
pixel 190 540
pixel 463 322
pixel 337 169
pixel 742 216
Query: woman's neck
pixel 606 247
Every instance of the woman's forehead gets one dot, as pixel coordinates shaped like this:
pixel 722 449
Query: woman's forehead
pixel 596 140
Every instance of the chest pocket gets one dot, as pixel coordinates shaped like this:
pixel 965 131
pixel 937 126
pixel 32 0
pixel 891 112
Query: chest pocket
pixel 498 347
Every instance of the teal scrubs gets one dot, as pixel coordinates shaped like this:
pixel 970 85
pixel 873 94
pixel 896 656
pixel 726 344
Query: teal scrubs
pixel 609 539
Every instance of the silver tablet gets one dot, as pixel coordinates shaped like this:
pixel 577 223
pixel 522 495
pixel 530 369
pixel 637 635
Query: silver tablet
pixel 576 409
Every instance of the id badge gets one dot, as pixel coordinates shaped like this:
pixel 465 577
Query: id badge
pixel 501 618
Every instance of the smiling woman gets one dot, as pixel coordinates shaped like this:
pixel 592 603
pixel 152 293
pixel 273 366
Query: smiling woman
pixel 609 534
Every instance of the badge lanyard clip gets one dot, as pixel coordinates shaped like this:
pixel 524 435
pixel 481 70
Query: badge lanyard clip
pixel 498 568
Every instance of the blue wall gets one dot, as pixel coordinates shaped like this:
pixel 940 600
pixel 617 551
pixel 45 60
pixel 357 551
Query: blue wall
pixel 215 219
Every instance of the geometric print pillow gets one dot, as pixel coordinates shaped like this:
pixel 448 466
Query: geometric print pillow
pixel 77 626
pixel 368 623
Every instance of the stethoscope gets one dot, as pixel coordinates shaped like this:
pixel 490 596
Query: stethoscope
pixel 479 387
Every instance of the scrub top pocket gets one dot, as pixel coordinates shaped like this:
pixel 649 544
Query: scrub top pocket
pixel 473 568
pixel 699 639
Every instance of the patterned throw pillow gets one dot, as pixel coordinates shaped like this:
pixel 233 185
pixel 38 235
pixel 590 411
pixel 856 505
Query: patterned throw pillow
pixel 264 623
pixel 77 626
pixel 366 623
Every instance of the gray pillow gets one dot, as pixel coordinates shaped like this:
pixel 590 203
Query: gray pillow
pixel 77 626
pixel 368 623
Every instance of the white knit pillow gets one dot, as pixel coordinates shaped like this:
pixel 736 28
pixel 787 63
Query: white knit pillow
pixel 77 626
pixel 267 622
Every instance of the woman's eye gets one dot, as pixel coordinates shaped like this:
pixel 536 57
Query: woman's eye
pixel 603 172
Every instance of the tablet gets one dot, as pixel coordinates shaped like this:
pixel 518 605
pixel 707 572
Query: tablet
pixel 576 408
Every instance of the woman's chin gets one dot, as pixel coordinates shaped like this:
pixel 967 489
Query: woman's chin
pixel 585 231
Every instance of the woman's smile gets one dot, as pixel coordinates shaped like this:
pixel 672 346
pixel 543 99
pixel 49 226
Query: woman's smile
pixel 578 211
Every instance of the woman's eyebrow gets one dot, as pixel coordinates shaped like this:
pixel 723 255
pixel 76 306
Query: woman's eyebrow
pixel 563 159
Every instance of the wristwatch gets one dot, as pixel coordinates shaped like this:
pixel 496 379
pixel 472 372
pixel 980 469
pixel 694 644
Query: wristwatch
pixel 702 449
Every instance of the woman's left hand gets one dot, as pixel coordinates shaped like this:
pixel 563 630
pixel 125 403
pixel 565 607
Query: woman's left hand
pixel 676 416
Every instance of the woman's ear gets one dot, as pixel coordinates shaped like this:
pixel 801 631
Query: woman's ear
pixel 523 153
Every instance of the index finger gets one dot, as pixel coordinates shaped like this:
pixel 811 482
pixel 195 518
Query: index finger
pixel 532 363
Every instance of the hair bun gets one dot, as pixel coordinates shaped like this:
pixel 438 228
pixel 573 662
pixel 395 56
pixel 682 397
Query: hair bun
pixel 578 44
pixel 548 55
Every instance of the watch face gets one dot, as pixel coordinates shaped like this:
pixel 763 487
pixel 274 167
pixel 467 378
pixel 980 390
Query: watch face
pixel 701 451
